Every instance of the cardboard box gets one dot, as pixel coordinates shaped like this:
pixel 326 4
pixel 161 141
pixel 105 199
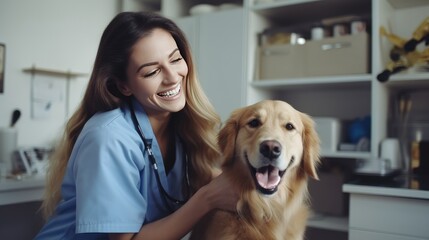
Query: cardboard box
pixel 281 61
pixel 342 55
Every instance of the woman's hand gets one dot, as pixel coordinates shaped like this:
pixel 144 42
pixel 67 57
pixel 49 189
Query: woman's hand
pixel 221 194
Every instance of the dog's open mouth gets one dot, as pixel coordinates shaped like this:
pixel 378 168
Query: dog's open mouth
pixel 266 178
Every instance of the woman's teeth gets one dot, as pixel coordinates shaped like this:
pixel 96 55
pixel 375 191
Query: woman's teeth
pixel 170 93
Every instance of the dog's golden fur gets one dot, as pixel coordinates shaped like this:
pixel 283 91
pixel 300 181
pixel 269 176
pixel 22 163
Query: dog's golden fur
pixel 275 210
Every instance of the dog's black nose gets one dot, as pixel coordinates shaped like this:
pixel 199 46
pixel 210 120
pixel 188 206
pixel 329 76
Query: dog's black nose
pixel 270 149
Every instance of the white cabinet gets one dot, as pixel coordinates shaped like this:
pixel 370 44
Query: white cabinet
pixel 387 213
pixel 217 41
pixel 14 191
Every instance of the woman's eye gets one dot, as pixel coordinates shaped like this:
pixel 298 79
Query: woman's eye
pixel 254 123
pixel 177 60
pixel 150 74
pixel 290 126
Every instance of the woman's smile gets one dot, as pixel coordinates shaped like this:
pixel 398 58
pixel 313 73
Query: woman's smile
pixel 171 93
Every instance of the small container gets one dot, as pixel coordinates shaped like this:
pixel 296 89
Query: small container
pixel 318 32
pixel 339 29
pixel 415 151
pixel 357 26
pixel 390 152
pixel 329 131
pixel 8 143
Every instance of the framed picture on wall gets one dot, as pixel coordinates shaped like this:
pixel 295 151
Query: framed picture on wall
pixel 2 65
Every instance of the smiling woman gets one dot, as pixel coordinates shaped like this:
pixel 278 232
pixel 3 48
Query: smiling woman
pixel 129 147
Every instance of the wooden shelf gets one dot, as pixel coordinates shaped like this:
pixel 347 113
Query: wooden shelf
pixel 52 72
pixel 67 75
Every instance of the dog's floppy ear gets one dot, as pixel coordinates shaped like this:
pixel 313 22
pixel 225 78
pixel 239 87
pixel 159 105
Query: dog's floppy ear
pixel 311 146
pixel 228 134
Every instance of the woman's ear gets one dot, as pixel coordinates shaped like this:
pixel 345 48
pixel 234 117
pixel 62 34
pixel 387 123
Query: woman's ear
pixel 117 88
pixel 123 88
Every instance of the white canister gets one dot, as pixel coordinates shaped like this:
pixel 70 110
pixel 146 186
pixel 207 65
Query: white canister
pixel 357 26
pixel 339 30
pixel 317 33
pixel 8 143
pixel 390 150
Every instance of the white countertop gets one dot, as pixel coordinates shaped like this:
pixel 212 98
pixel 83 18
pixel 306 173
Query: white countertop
pixel 402 186
pixel 26 189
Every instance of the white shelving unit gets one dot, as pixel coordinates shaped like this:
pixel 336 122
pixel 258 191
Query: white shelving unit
pixel 401 17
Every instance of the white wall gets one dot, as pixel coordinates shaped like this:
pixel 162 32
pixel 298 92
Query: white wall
pixel 54 34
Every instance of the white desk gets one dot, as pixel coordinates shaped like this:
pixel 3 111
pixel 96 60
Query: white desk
pixel 395 211
pixel 19 191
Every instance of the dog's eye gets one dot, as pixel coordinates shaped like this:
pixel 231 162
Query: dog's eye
pixel 254 123
pixel 290 126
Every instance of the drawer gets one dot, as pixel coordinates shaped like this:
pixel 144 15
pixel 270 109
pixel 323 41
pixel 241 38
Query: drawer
pixel 341 55
pixel 281 61
pixel 392 215
pixel 326 194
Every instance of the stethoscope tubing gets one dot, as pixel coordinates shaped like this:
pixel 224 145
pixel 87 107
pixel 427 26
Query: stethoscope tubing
pixel 148 147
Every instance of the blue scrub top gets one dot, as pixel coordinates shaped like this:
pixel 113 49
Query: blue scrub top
pixel 110 185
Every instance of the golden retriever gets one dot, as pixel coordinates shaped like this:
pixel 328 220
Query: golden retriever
pixel 269 150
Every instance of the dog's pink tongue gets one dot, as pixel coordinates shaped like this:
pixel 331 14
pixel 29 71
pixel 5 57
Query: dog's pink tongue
pixel 269 178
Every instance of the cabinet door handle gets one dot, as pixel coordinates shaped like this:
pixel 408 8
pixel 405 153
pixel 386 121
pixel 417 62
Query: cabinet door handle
pixel 338 45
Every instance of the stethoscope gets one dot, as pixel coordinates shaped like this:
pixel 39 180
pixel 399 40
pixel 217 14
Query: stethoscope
pixel 148 147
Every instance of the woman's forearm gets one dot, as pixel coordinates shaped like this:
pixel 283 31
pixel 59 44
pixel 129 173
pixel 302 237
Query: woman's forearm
pixel 218 194
pixel 179 223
